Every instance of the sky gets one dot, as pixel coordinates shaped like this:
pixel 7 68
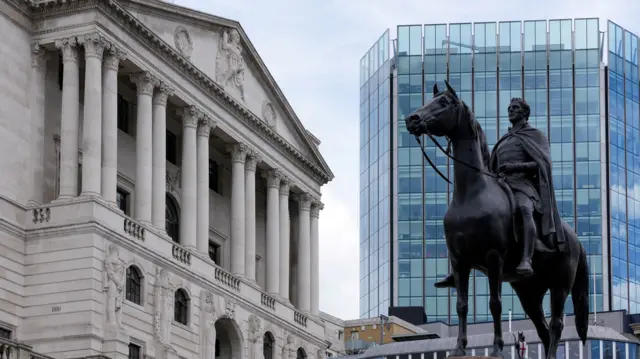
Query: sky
pixel 313 49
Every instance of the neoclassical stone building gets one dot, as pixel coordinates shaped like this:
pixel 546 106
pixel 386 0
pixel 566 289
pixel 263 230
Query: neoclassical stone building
pixel 159 196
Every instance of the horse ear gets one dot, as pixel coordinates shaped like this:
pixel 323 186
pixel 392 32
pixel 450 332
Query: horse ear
pixel 435 90
pixel 450 89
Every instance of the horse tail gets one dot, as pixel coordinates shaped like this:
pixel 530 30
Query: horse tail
pixel 580 295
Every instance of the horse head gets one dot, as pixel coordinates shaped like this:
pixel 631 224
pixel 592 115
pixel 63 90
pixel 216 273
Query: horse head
pixel 439 117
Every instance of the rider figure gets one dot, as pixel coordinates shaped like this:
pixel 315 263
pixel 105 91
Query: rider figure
pixel 519 171
pixel 523 160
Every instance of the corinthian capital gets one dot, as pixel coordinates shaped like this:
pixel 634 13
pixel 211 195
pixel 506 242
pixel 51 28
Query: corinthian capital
pixel 94 44
pixel 162 94
pixel 238 152
pixel 190 116
pixel 253 158
pixel 68 48
pixel 285 186
pixel 113 57
pixel 145 82
pixel 205 125
pixel 39 56
pixel 304 201
pixel 316 207
pixel 274 177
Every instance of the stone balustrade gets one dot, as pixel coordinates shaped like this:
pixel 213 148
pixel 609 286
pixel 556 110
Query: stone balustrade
pixel 134 229
pixel 14 350
pixel 80 211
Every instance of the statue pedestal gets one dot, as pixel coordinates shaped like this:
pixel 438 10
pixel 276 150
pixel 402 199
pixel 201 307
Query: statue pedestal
pixel 115 344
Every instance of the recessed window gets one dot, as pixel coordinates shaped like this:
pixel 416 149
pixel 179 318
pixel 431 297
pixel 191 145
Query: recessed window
pixel 268 343
pixel 214 252
pixel 5 333
pixel 134 285
pixel 79 178
pixel 123 114
pixel 301 354
pixel 213 176
pixel 172 221
pixel 172 145
pixel 122 200
pixel 135 351
pixel 181 314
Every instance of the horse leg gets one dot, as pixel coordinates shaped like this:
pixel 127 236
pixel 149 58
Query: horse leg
pixel 531 295
pixel 461 274
pixel 558 298
pixel 494 273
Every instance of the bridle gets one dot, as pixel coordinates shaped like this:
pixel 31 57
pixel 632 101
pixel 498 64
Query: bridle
pixel 447 152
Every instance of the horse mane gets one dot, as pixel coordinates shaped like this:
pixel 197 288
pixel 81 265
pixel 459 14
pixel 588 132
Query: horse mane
pixel 477 130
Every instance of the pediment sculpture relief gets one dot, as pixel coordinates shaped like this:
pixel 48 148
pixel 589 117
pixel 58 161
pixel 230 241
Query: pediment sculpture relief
pixel 114 275
pixel 268 114
pixel 182 41
pixel 230 65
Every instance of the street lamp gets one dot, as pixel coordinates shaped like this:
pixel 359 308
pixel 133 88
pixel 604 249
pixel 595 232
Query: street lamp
pixel 383 319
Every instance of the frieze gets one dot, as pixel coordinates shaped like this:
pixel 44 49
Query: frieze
pixel 170 54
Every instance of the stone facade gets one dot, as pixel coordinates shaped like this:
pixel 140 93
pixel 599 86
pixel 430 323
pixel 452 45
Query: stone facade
pixel 161 199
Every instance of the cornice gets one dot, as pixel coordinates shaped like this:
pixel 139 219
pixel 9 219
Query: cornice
pixel 166 52
pixel 156 259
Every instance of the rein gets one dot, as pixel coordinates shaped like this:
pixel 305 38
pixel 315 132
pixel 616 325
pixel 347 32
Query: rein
pixel 447 153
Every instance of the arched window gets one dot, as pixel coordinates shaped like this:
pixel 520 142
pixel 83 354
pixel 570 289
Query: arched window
pixel 181 310
pixel 268 343
pixel 301 354
pixel 172 221
pixel 134 285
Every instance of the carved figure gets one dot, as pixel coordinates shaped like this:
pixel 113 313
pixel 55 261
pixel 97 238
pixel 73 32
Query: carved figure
pixel 183 42
pixel 230 64
pixel 288 350
pixel 483 224
pixel 114 281
pixel 208 316
pixel 164 302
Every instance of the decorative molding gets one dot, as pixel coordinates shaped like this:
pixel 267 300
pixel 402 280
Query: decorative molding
pixel 39 56
pixel 68 47
pixel 113 57
pixel 182 40
pixel 252 160
pixel 94 44
pixel 129 22
pixel 285 186
pixel 238 152
pixel 273 177
pixel 304 201
pixel 173 180
pixel 190 116
pixel 316 207
pixel 205 125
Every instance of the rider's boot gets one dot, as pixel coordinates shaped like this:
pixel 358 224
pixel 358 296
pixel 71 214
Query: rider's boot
pixel 448 282
pixel 524 269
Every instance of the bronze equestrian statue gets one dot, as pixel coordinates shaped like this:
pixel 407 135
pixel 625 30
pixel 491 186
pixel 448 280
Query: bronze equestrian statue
pixel 503 220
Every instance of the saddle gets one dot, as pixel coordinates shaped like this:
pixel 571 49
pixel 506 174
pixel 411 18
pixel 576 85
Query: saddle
pixel 543 244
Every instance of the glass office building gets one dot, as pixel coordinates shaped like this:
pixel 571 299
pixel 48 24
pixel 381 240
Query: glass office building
pixel 580 78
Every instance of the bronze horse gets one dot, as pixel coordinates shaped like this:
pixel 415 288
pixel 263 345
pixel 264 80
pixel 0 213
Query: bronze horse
pixel 481 234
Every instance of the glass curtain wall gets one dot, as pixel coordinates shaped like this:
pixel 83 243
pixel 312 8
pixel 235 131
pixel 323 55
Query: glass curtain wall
pixel 375 179
pixel 410 197
pixel 624 166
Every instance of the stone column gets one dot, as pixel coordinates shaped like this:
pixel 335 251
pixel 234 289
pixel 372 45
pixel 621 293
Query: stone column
pixel 205 125
pixel 273 231
pixel 238 157
pixel 304 253
pixel 37 106
pixel 94 45
pixel 69 119
pixel 284 219
pixel 159 182
pixel 316 207
pixel 145 83
pixel 110 124
pixel 250 214
pixel 189 177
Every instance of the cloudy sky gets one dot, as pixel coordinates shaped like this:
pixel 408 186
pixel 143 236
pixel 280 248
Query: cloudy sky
pixel 313 49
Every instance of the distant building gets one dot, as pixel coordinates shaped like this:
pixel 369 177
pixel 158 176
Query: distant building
pixel 580 78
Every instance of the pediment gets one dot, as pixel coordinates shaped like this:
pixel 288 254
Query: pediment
pixel 221 49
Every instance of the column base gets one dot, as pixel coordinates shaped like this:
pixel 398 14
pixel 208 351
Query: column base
pixel 63 199
pixel 33 203
pixel 90 194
